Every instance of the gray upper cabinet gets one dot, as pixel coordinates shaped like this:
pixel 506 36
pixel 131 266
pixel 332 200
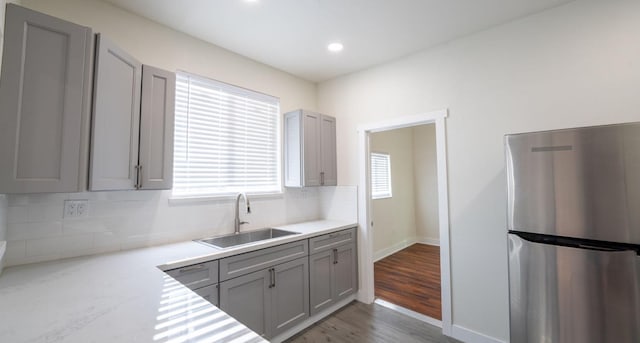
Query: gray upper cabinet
pixel 157 114
pixel 116 118
pixel 329 171
pixel 45 97
pixel 309 149
pixel 133 120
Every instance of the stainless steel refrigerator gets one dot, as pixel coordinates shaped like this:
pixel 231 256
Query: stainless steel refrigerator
pixel 574 235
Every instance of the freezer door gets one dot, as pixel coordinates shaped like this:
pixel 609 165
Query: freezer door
pixel 563 294
pixel 582 183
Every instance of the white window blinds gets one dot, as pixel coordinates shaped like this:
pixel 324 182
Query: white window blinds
pixel 380 176
pixel 227 139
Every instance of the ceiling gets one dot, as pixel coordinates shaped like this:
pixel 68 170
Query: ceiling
pixel 292 35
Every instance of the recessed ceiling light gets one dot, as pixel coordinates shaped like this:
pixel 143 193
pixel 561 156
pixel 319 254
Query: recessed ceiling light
pixel 335 47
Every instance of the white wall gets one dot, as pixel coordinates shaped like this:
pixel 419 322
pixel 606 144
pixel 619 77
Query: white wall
pixel 575 65
pixel 425 174
pixel 162 47
pixel 124 220
pixel 394 218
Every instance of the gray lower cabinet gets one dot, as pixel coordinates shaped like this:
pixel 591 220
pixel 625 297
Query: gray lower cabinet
pixel 345 271
pixel 271 300
pixel 322 282
pixel 45 93
pixel 209 293
pixel 333 276
pixel 202 278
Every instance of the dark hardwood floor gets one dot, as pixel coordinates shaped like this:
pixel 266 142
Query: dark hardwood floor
pixel 411 278
pixel 360 323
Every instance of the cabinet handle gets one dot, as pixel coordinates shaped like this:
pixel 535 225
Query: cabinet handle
pixel 191 268
pixel 273 270
pixel 272 281
pixel 335 256
pixel 138 184
pixel 322 178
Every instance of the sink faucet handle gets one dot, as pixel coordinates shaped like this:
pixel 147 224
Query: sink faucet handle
pixel 244 223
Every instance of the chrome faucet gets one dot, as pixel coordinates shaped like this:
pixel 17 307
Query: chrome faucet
pixel 237 223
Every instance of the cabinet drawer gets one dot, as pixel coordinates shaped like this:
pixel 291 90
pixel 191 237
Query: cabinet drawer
pixel 332 240
pixel 196 275
pixel 235 266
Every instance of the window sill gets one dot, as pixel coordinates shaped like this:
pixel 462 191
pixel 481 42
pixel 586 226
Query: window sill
pixel 382 197
pixel 223 198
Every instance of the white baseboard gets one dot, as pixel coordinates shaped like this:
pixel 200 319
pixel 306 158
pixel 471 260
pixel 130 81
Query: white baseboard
pixel 312 320
pixel 379 255
pixel 429 241
pixel 466 335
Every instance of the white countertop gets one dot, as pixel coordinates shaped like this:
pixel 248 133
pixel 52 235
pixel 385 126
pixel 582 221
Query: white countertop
pixel 124 297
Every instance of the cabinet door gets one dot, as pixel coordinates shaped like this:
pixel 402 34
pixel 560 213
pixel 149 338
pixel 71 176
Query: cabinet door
pixel 311 148
pixel 329 172
pixel 345 271
pixel 157 113
pixel 321 280
pixel 116 118
pixel 209 293
pixel 248 299
pixel 290 295
pixel 293 176
pixel 45 96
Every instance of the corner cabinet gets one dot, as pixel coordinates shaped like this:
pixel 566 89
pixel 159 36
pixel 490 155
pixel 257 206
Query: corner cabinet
pixel 45 93
pixel 132 130
pixel 309 149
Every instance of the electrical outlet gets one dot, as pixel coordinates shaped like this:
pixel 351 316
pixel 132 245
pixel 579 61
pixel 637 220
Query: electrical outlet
pixel 82 208
pixel 76 208
pixel 70 209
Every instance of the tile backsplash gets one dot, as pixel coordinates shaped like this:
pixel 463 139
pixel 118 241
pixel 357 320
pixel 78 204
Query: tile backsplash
pixel 37 230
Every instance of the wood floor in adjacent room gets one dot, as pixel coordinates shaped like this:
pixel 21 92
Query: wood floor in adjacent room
pixel 362 323
pixel 411 278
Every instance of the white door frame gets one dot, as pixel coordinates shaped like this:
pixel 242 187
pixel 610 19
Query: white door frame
pixel 365 237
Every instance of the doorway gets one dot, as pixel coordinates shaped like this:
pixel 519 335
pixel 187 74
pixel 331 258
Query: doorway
pixel 366 213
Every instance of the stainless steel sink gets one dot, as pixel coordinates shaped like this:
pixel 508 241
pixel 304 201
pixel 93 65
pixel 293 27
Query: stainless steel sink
pixel 247 237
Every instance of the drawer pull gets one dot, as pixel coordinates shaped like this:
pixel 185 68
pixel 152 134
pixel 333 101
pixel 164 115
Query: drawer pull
pixel 192 268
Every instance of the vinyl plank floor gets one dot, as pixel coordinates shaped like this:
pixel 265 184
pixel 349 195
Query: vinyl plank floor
pixel 360 323
pixel 411 278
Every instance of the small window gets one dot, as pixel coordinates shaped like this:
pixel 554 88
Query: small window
pixel 380 175
pixel 227 139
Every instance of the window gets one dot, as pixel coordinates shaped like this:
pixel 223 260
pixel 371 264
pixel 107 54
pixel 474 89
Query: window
pixel 227 139
pixel 380 176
